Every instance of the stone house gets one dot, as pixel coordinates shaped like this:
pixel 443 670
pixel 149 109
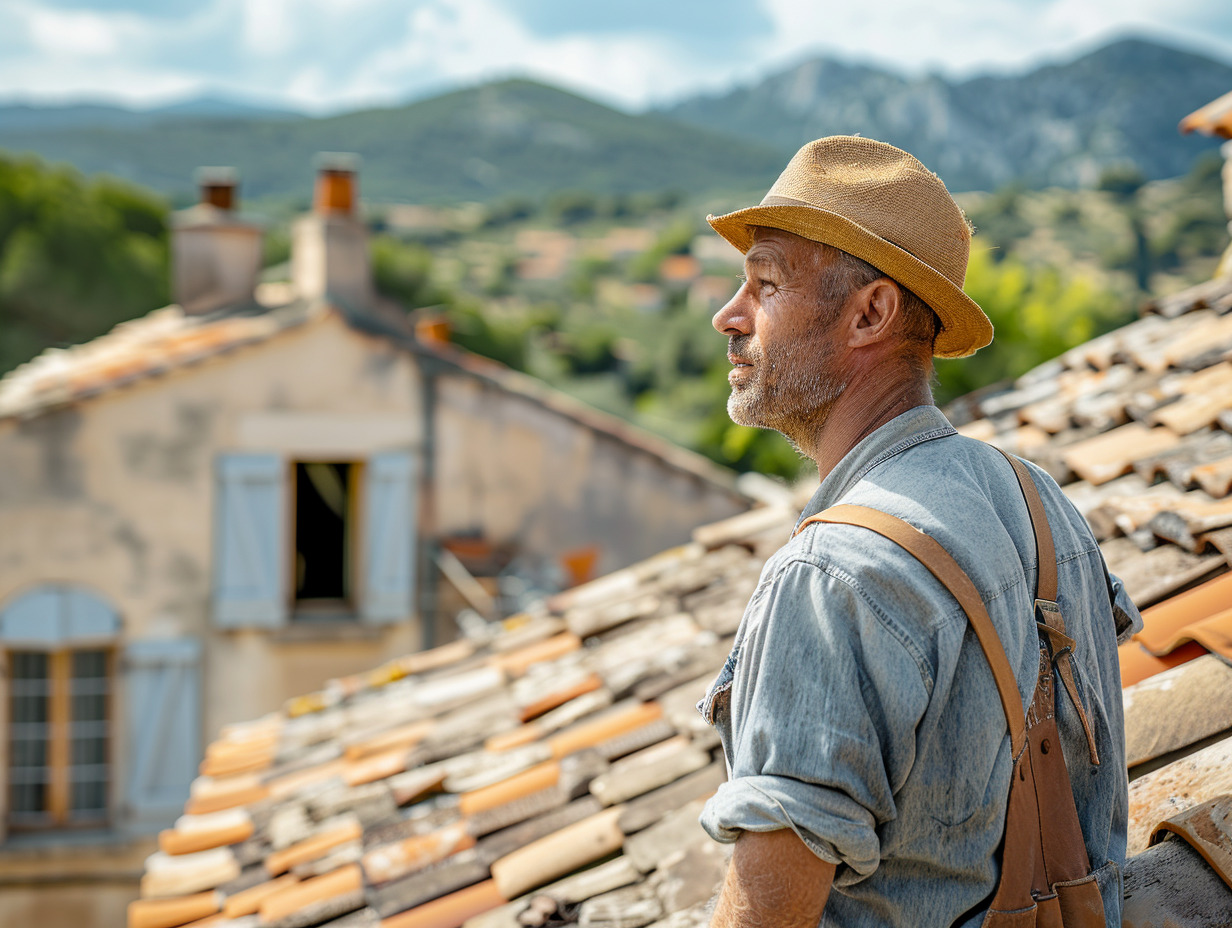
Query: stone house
pixel 217 506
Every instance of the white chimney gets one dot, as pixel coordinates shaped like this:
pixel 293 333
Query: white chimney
pixel 329 246
pixel 215 254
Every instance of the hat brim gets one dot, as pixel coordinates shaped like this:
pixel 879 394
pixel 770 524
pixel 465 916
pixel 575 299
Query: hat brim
pixel 964 327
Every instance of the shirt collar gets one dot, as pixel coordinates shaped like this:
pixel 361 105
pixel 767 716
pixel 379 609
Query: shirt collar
pixel 918 424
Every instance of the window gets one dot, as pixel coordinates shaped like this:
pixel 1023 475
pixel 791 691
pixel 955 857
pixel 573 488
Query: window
pixel 59 729
pixel 314 539
pixel 324 525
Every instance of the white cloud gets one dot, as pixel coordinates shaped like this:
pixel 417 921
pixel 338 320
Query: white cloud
pixel 467 40
pixel 76 33
pixel 329 54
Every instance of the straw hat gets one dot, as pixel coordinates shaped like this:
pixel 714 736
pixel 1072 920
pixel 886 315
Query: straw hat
pixel 880 204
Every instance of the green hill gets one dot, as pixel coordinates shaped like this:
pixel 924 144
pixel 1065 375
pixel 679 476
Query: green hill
pixel 515 137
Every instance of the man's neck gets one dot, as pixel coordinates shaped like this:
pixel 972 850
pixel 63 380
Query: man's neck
pixel 868 402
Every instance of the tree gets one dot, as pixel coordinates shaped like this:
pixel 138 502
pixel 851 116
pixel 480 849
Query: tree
pixel 1036 313
pixel 77 256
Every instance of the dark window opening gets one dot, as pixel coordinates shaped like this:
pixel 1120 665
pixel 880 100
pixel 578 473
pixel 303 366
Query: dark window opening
pixel 323 526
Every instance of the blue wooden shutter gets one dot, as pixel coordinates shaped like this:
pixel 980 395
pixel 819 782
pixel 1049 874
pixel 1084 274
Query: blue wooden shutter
pixel 389 537
pixel 250 531
pixel 162 694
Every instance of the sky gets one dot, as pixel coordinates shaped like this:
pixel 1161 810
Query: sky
pixel 330 55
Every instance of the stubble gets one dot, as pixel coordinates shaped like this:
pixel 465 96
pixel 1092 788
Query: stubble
pixel 791 390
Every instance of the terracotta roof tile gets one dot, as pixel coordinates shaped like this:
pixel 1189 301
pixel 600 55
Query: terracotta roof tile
pixel 1169 884
pixel 1178 708
pixel 1103 457
pixel 169 913
pixel 1159 795
pixel 1180 619
pixel 1137 663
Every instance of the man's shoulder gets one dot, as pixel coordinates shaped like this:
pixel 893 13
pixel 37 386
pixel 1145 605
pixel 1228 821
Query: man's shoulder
pixel 842 568
pixel 959 491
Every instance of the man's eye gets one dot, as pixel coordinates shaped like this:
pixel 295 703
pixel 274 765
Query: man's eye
pixel 761 283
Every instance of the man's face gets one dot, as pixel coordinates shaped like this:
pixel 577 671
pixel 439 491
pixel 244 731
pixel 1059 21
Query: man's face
pixel 780 337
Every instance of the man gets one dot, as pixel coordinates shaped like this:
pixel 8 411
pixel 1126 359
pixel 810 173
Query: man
pixel 868 753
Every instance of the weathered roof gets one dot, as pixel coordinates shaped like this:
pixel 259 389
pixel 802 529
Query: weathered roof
pixel 148 346
pixel 484 775
pixel 168 339
pixel 1135 425
pixel 553 773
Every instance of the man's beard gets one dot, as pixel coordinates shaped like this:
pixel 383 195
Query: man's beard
pixel 792 392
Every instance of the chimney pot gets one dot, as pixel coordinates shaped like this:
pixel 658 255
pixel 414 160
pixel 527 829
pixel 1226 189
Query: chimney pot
pixel 216 253
pixel 329 246
pixel 335 192
pixel 433 330
pixel 219 187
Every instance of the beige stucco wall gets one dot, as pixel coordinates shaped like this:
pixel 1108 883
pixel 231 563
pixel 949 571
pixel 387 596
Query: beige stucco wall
pixel 513 470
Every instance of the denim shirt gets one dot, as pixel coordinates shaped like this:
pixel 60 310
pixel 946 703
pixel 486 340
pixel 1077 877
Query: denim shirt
pixel 857 708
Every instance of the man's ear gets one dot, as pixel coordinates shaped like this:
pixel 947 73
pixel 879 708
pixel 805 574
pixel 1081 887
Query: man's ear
pixel 876 307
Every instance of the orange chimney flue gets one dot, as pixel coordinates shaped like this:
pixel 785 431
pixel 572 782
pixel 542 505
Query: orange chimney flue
pixel 337 180
pixel 219 187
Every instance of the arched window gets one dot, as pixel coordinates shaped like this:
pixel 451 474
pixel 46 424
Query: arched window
pixel 58 646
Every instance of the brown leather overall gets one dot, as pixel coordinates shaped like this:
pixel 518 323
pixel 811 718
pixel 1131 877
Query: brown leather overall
pixel 1046 879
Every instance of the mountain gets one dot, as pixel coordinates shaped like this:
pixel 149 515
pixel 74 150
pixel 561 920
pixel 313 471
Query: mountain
pixel 24 116
pixel 1058 124
pixel 512 137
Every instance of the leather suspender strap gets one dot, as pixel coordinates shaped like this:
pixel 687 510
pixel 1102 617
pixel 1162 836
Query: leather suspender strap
pixel 929 552
pixel 1049 618
pixel 1045 552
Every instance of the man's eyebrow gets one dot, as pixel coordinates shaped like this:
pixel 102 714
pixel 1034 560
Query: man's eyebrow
pixel 760 258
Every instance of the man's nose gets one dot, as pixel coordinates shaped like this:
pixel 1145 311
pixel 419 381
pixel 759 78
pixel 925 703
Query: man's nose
pixel 736 317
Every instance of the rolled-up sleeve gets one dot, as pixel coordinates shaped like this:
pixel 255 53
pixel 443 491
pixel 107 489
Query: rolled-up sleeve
pixel 825 698
pixel 1124 612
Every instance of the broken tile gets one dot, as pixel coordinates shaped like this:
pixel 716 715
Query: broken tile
pixel 391 861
